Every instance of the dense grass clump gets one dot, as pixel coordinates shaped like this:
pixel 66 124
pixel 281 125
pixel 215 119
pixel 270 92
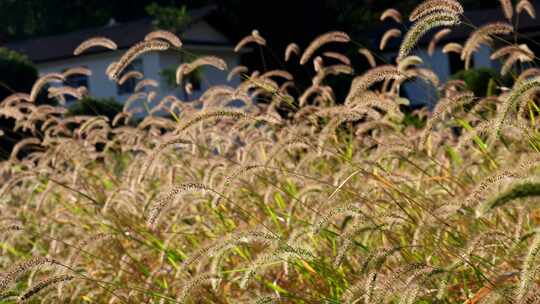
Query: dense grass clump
pixel 293 197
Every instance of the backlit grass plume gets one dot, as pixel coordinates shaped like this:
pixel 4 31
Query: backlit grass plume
pixel 334 183
pixel 392 33
pixel 429 7
pixel 526 6
pixel 483 35
pixel 340 37
pixel 422 26
pixel 95 42
pixel 134 52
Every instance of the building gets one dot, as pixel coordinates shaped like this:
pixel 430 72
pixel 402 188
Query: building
pixel 446 65
pixel 199 38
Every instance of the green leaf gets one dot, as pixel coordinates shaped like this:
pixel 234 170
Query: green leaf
pixel 520 189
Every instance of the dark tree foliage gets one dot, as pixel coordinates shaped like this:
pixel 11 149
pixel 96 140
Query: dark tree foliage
pixel 20 19
pixel 298 19
pixel 17 74
pixel 280 22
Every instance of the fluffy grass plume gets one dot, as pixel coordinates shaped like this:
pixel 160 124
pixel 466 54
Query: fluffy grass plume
pixel 429 7
pixel 340 37
pixel 134 52
pixel 422 26
pixel 391 13
pixel 95 42
pixel 526 6
pixel 330 189
pixel 392 33
pixel 166 36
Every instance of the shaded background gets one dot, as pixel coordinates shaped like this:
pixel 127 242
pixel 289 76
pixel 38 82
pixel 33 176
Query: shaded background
pixel 280 22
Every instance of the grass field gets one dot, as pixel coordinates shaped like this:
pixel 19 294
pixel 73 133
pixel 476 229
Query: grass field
pixel 294 197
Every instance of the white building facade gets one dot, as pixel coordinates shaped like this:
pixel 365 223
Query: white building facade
pixel 54 54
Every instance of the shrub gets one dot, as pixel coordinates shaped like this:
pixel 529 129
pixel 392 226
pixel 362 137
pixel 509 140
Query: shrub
pixel 95 106
pixel 169 17
pixel 482 81
pixel 18 73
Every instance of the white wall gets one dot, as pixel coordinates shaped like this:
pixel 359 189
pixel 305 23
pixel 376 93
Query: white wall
pixel 99 84
pixel 153 63
pixel 481 58
pixel 419 91
pixel 211 75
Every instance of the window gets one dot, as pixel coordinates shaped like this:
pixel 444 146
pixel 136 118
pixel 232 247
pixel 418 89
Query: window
pixel 195 79
pixel 75 81
pixel 456 64
pixel 128 87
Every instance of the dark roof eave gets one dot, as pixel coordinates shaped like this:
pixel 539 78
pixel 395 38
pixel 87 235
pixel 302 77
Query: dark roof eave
pixel 61 46
pixel 186 44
